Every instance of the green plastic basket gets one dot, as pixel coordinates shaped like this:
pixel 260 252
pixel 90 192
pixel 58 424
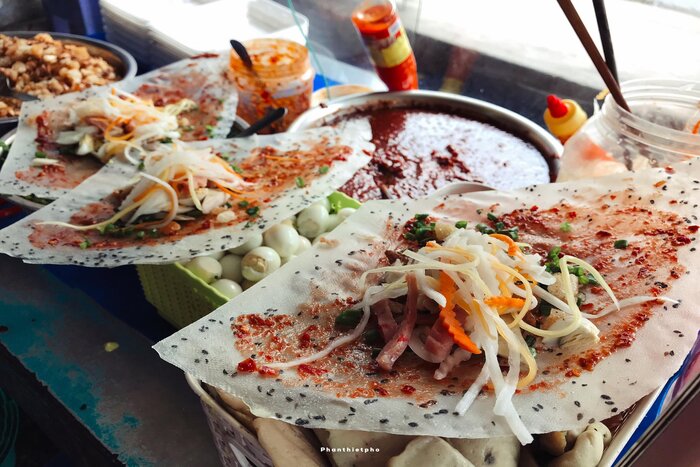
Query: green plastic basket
pixel 180 297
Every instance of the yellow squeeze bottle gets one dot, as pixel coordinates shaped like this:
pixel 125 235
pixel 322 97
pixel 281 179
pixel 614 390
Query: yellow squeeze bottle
pixel 563 117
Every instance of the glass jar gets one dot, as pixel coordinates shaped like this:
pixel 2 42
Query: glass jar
pixel 282 76
pixel 662 129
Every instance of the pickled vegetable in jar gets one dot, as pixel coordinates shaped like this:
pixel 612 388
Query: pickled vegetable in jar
pixel 282 76
pixel 661 130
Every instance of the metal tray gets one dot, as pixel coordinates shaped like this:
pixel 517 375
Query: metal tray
pixel 474 109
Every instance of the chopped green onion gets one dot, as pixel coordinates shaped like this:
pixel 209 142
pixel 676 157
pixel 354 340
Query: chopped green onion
pixel 243 204
pixel 484 229
pixel 85 244
pixel 41 154
pixel 300 182
pixel 210 131
pixel 421 217
pixel 492 217
pixel 166 140
pixel 553 254
pixel 512 233
pixel 236 169
pixel 252 211
pixel 142 165
pixel 530 340
pixel 580 298
pixel 621 244
pixel 349 318
pixel 323 169
pixel 461 224
pixel 373 337
pixel 140 234
pixel 545 308
pixel 565 227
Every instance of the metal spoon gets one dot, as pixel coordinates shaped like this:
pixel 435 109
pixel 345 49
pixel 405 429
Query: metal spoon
pixel 272 115
pixel 7 91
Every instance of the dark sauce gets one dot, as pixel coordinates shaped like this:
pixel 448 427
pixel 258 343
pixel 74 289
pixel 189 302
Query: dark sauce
pixel 418 151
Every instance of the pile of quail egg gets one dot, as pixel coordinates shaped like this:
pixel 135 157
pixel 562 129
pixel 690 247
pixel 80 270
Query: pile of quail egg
pixel 239 268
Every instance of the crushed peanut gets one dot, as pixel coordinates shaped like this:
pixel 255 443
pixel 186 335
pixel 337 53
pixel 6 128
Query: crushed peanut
pixel 45 67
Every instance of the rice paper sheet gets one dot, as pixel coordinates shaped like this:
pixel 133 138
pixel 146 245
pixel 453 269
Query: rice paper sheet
pixel 202 80
pixel 278 204
pixel 303 293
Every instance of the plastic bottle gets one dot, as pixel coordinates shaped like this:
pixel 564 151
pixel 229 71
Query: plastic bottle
pixel 658 132
pixel 563 117
pixel 380 27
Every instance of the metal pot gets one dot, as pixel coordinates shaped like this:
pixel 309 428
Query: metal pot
pixel 122 61
pixel 474 109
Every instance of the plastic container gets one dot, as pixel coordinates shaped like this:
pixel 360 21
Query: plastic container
pixel 386 40
pixel 564 117
pixel 236 444
pixel 662 129
pixel 282 76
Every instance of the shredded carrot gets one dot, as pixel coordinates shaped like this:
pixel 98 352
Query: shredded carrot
pixel 108 131
pixel 235 194
pixel 696 128
pixel 226 166
pixel 513 249
pixel 505 302
pixel 449 318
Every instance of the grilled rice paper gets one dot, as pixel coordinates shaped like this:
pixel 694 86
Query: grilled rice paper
pixel 190 199
pixel 62 141
pixel 292 314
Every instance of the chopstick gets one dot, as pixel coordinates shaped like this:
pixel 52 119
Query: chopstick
pixel 588 44
pixel 601 17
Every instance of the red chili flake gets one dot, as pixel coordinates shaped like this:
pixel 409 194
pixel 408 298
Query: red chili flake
pixel 613 196
pixel 571 215
pixel 408 389
pixel 573 372
pixel 660 183
pixel 305 337
pixel 534 208
pixel 693 228
pixel 680 240
pixel 267 371
pixel 247 366
pixel 603 233
pixel 256 320
pixel 379 390
pixel 306 370
pixel 669 169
